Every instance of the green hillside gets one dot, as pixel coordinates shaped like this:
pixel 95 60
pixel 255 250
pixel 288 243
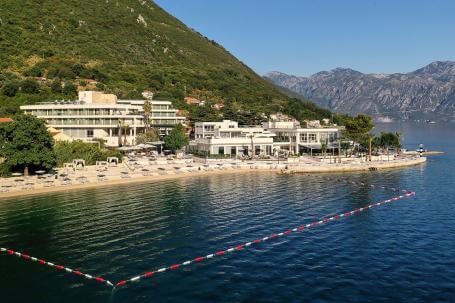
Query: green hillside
pixel 126 46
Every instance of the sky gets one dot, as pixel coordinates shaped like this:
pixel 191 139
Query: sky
pixel 303 37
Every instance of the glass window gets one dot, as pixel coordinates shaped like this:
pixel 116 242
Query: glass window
pixel 89 133
pixel 312 138
pixel 221 150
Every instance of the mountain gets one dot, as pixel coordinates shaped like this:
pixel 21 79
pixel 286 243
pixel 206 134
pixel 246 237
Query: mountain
pixel 427 93
pixel 48 49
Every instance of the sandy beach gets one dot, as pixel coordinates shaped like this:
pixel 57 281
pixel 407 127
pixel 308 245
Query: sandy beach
pixel 94 177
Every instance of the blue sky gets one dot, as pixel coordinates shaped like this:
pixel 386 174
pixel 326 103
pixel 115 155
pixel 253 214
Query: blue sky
pixel 302 37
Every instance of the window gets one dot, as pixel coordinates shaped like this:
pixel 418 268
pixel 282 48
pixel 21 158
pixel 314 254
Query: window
pixel 257 150
pixel 89 133
pixel 221 150
pixel 312 138
pixel 304 138
pixel 233 150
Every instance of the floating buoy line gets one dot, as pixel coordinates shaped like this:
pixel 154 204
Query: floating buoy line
pixel 401 195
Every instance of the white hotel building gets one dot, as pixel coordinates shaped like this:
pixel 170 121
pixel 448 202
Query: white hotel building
pixel 99 115
pixel 228 138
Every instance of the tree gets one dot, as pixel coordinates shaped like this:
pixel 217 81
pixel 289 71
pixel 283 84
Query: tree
pixel 69 88
pixel 176 139
pixel 10 89
pixel 123 129
pixel 35 71
pixel 324 146
pixel 56 86
pixel 30 86
pixel 26 144
pixel 150 136
pixel 386 140
pixel 147 113
pixel 358 129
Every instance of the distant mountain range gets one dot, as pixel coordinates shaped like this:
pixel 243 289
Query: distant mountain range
pixel 427 93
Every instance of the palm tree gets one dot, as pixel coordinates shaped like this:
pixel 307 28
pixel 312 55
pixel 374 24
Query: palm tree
pixel 147 114
pixel 123 128
pixel 324 145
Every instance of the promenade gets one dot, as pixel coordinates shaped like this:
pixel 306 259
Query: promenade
pixel 144 170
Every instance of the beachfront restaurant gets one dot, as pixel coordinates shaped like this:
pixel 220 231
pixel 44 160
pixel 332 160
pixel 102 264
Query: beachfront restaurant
pixel 306 140
pixel 227 138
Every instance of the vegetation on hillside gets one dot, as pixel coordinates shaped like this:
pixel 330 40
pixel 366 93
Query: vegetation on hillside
pixel 49 49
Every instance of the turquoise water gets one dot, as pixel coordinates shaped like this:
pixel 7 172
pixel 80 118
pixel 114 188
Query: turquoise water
pixel 404 252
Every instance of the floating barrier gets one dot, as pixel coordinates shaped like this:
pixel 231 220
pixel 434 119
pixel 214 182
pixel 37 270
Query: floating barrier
pixel 261 240
pixel 55 266
pixel 240 247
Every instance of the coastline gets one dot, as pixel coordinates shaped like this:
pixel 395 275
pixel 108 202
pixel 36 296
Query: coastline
pixel 322 168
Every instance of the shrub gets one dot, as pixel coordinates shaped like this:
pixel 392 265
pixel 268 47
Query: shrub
pixel 10 89
pixel 30 86
pixel 91 152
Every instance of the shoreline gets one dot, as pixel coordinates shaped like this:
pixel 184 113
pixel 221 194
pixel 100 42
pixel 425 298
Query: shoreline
pixel 331 168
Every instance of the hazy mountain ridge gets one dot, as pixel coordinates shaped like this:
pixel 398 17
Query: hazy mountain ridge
pixel 427 93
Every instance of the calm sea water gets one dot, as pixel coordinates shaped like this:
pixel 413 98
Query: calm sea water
pixel 404 252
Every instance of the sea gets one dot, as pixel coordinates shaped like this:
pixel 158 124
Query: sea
pixel 400 252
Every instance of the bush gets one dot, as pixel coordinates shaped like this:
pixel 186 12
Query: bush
pixel 30 86
pixel 69 88
pixel 91 152
pixel 56 86
pixel 10 89
pixel 35 71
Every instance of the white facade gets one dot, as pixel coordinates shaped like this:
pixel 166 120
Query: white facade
pixel 303 140
pixel 97 115
pixel 230 139
pixel 207 129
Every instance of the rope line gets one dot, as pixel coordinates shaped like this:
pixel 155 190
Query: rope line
pixel 264 239
pixel 55 266
pixel 240 247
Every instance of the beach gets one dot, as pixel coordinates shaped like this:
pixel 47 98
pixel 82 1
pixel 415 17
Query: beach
pixel 143 172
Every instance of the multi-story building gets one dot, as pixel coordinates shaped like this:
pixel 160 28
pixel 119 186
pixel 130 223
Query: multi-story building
pixel 298 140
pixel 228 138
pixel 103 116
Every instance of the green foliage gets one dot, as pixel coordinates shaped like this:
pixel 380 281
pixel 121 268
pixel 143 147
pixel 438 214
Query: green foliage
pixel 69 89
pixel 56 85
pixel 91 152
pixel 177 139
pixel 358 129
pixel 30 86
pixel 387 139
pixel 163 55
pixel 152 135
pixel 10 89
pixel 25 144
pixel 35 71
